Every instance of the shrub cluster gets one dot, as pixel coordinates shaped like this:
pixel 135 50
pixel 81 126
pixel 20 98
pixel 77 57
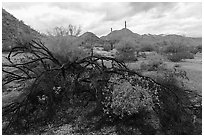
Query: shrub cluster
pixel 174 49
pixel 146 48
pixel 128 99
pixel 199 48
pixel 117 90
pixel 176 57
pixel 196 49
pixel 177 51
pixel 126 51
pixel 153 64
pixel 126 57
pixel 174 79
pixel 63 49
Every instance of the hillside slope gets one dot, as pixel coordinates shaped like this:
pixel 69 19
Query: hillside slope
pixel 161 40
pixel 14 30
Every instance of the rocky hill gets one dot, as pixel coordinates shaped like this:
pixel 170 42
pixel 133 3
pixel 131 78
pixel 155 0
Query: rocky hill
pixel 161 40
pixel 89 39
pixel 14 30
pixel 121 34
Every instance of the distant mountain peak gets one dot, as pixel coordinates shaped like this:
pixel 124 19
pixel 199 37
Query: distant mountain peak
pixel 120 34
pixel 88 38
pixel 88 34
pixel 126 29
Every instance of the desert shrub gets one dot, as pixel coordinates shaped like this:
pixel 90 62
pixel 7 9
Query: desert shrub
pixel 132 99
pixel 177 47
pixel 146 48
pixel 7 46
pixel 174 79
pixel 126 57
pixel 141 54
pixel 171 77
pixel 176 57
pixel 174 49
pixel 126 51
pixel 193 50
pixel 199 48
pixel 187 55
pixel 87 45
pixel 131 104
pixel 153 63
pixel 177 65
pixel 63 49
pixel 128 99
pixel 107 47
pixel 144 66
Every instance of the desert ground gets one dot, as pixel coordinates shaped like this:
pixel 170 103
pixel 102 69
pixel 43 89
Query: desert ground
pixel 193 68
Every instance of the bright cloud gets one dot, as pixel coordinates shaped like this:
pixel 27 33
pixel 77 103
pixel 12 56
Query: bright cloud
pixel 142 18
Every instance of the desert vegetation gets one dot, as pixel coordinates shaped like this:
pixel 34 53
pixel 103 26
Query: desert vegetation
pixel 126 51
pixel 60 42
pixel 62 31
pixel 56 84
pixel 55 79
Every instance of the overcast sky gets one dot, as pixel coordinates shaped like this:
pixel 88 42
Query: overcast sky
pixel 142 18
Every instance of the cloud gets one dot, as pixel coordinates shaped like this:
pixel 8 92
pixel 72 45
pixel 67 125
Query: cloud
pixel 146 6
pixel 141 17
pixel 20 5
pixel 117 11
pixel 77 6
